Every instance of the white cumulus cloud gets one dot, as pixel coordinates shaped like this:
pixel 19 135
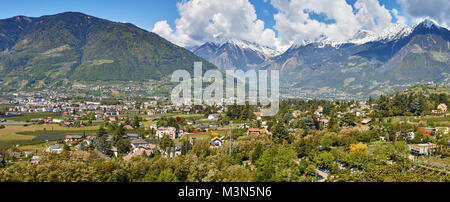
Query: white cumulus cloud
pixel 201 21
pixel 400 19
pixel 212 20
pixel 294 22
pixel 438 10
pixel 372 15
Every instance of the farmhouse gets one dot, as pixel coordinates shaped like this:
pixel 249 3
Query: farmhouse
pixel 138 143
pixel 366 121
pixel 213 117
pixel 128 127
pixel 173 151
pixel 442 108
pixel 35 160
pixel 91 139
pixel 258 115
pixel 73 138
pixel 426 130
pixel 54 149
pixel 256 131
pixel 217 142
pixel 132 136
pixel 296 113
pixel 138 152
pixel 170 131
pixel 422 149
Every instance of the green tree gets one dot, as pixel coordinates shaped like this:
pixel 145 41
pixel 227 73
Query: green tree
pixel 123 146
pixel 280 133
pixel 185 146
pixel 66 147
pixel 136 122
pixel 165 142
pixel 325 160
pixel 310 170
pixel 415 107
pixel 326 142
pixel 257 152
pixel 349 119
pixel 167 175
pixel 309 123
pixel 333 121
pixel 201 148
pixel 104 146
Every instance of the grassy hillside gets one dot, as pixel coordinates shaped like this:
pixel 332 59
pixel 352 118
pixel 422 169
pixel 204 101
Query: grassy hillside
pixel 51 50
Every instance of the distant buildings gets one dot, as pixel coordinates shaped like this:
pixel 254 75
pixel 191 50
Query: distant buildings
pixel 138 152
pixel 258 115
pixel 71 139
pixel 128 127
pixel 422 149
pixel 15 154
pixel 442 108
pixel 138 143
pixel 35 160
pixel 91 139
pixel 444 130
pixel 217 141
pixel 319 111
pixel 54 149
pixel 132 136
pixel 366 121
pixel 213 117
pixel 426 130
pixel 172 152
pixel 256 131
pixel 296 113
pixel 170 131
pixel 2 161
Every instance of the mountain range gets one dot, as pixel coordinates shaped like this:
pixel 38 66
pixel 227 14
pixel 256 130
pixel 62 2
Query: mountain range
pixel 368 64
pixel 234 54
pixel 55 49
pixel 45 51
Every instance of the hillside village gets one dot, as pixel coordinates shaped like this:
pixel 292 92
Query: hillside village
pixel 121 129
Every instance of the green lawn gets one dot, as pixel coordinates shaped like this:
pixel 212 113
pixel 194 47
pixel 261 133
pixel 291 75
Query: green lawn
pixel 186 116
pixel 28 116
pixel 424 121
pixel 23 135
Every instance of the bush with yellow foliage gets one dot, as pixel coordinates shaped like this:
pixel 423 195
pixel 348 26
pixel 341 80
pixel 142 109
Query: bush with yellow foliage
pixel 213 135
pixel 358 148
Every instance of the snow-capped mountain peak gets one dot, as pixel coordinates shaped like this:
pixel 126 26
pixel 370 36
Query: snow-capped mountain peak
pixel 428 23
pixel 235 54
pixel 265 50
pixel 392 32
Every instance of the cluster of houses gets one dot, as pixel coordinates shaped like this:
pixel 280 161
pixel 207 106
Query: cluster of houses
pixel 140 146
pixel 114 114
pixel 2 161
pixel 441 109
pixel 426 148
pixel 422 149
pixel 16 155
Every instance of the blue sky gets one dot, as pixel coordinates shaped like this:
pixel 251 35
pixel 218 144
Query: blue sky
pixel 144 13
pixel 140 12
pixel 275 23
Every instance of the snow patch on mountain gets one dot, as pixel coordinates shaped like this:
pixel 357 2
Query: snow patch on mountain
pixel 428 23
pixel 265 50
pixel 392 32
